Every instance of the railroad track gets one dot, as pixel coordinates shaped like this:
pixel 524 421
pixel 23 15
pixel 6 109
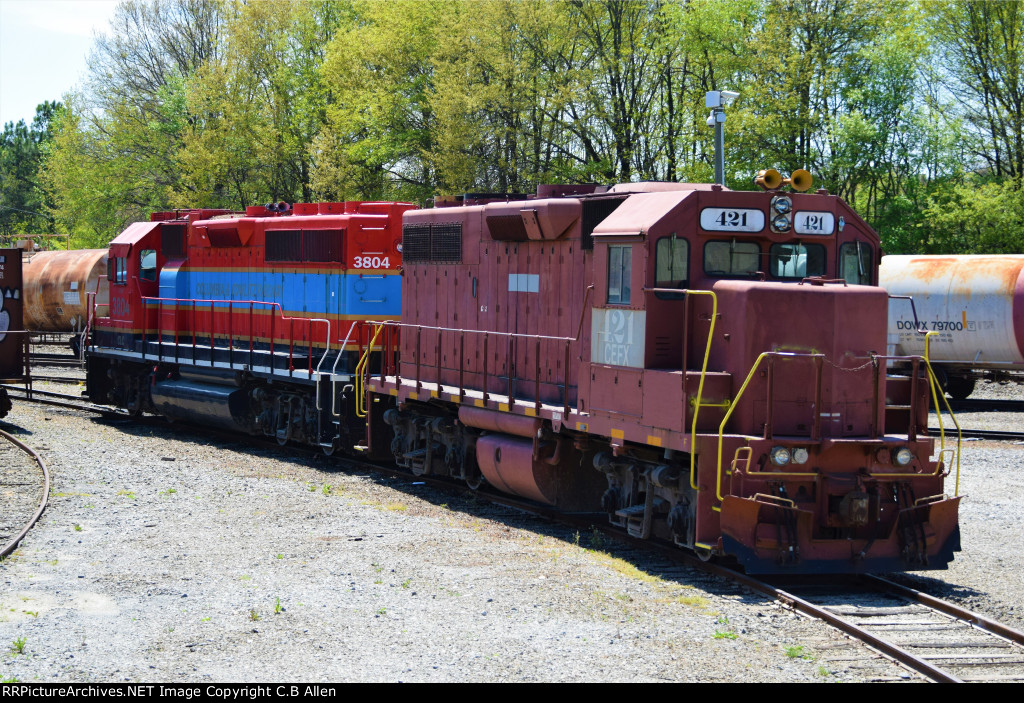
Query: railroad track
pixel 937 639
pixel 60 400
pixel 994 435
pixel 987 405
pixel 25 487
pixel 58 360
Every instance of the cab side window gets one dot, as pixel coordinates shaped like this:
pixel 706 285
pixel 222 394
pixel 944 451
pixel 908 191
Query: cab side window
pixel 619 263
pixel 856 263
pixel 117 270
pixel 147 265
pixel 671 266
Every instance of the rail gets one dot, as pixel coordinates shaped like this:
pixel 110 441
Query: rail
pixel 360 370
pixel 816 424
pixel 388 366
pixel 934 384
pixel 696 402
pixel 391 363
pixel 253 307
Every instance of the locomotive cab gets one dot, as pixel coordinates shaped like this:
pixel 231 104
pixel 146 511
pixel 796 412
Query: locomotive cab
pixel 748 324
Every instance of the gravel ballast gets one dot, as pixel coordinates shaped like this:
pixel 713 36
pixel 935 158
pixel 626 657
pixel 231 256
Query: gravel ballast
pixel 163 557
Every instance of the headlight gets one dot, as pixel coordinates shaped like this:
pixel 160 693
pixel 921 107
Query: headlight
pixel 903 456
pixel 779 456
pixel 781 223
pixel 782 205
pixel 800 456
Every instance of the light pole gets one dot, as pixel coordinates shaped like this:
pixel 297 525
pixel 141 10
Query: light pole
pixel 718 100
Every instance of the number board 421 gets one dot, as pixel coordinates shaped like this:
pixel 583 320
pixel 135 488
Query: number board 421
pixel 731 219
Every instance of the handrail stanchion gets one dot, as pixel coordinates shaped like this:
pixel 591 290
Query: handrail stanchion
pixel 437 349
pixel 193 332
pixel 565 383
pixel 485 371
pixel 273 319
pixel 816 432
pixel 915 369
pixel 508 367
pixel 462 362
pixel 213 324
pixel 419 353
pixel 536 376
pixel 251 333
pixel 291 344
pixel 143 303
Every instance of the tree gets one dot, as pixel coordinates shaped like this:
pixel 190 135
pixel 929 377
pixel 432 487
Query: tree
pixel 982 49
pixel 22 149
pixel 116 148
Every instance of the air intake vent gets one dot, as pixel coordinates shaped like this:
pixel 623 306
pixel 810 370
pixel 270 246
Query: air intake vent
pixel 415 243
pixel 284 245
pixel 594 213
pixel 172 240
pixel 305 246
pixel 322 245
pixel 446 243
pixel 438 243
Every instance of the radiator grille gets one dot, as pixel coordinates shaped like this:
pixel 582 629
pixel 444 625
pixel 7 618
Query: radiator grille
pixel 438 243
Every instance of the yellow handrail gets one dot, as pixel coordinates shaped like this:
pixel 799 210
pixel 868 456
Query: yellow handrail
pixel 700 385
pixel 360 368
pixel 933 383
pixel 728 414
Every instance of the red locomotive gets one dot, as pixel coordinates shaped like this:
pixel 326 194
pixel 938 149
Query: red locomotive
pixel 252 321
pixel 705 366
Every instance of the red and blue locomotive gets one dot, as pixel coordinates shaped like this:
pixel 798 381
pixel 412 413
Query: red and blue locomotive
pixel 252 321
pixel 704 366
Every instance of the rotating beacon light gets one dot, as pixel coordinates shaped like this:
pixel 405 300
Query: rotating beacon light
pixel 718 100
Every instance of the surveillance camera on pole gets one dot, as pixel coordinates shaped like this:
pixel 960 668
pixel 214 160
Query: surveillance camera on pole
pixel 718 100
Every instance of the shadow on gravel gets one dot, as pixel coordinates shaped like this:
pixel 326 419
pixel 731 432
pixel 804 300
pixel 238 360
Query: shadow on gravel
pixel 936 587
pixel 16 430
pixel 456 499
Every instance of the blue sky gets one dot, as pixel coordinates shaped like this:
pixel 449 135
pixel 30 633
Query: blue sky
pixel 43 49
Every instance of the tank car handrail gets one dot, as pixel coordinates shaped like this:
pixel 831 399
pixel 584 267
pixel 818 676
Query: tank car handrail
pixel 918 327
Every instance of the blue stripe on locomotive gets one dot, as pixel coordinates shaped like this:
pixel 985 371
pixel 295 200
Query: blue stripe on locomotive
pixel 369 296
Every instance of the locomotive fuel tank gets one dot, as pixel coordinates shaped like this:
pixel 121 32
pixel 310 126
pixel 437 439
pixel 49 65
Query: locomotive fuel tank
pixel 56 283
pixel 973 304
